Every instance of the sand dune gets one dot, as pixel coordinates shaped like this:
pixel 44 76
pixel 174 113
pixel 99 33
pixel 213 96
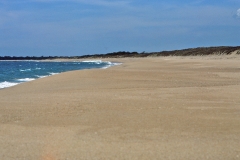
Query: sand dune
pixel 146 108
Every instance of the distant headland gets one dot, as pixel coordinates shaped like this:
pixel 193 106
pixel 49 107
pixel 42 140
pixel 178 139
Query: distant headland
pixel 200 51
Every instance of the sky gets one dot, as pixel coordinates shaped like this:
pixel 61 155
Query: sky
pixel 82 27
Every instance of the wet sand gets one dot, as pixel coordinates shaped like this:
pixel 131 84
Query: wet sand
pixel 147 108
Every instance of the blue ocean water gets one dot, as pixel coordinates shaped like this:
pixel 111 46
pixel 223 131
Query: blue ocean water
pixel 15 72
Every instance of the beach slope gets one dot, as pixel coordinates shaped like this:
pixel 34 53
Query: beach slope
pixel 147 108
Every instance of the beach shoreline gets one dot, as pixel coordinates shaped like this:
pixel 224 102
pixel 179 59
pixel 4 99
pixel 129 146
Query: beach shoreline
pixel 16 72
pixel 146 108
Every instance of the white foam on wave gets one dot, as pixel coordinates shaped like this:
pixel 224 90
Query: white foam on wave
pixel 7 84
pixel 53 73
pixel 41 76
pixel 25 70
pixel 26 79
pixel 110 64
pixel 93 61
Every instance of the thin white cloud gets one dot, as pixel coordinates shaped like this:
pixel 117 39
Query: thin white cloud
pixel 238 13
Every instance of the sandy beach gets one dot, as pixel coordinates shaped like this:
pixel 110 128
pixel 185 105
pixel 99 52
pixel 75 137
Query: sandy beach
pixel 185 108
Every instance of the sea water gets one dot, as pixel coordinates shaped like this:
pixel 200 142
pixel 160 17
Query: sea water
pixel 16 72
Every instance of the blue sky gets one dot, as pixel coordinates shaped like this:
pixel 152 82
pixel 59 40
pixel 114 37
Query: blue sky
pixel 80 27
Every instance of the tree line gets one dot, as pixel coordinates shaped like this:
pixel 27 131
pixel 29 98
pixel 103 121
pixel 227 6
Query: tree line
pixel 200 51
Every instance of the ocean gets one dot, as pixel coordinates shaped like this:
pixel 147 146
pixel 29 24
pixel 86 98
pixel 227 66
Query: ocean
pixel 16 72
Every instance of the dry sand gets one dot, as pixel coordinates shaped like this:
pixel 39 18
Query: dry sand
pixel 147 108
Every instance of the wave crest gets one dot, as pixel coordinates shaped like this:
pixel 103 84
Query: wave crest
pixel 7 84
